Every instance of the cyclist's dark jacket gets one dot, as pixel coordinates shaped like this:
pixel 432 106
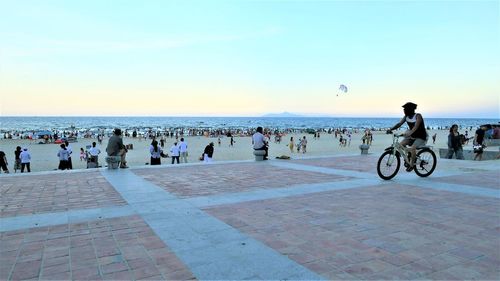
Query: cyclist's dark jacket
pixel 420 133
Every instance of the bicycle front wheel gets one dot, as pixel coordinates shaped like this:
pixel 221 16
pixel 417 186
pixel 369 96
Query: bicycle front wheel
pixel 388 165
pixel 425 162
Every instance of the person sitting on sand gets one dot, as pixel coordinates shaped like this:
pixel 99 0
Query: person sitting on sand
pixel 259 142
pixel 416 136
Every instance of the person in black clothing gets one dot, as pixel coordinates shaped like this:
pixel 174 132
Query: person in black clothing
pixel 17 164
pixel 455 143
pixel 3 162
pixel 479 142
pixel 208 153
pixel 416 136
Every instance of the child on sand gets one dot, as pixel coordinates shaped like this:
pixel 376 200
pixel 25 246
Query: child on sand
pixel 82 154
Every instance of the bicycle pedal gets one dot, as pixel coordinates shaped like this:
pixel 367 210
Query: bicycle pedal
pixel 409 169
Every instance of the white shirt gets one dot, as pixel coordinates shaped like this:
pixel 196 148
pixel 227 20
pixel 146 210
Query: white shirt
pixel 258 140
pixel 183 147
pixel 94 151
pixel 70 151
pixel 175 150
pixel 63 154
pixel 155 154
pixel 25 156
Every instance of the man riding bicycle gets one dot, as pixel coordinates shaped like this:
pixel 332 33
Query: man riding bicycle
pixel 416 136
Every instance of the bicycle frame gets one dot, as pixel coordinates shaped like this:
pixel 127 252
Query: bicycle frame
pixel 398 149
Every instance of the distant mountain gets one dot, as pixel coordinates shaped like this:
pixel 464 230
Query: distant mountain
pixel 283 114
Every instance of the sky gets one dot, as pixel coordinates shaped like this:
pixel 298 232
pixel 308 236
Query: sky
pixel 249 58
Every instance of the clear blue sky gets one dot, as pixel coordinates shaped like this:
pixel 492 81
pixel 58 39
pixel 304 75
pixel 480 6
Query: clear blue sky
pixel 247 58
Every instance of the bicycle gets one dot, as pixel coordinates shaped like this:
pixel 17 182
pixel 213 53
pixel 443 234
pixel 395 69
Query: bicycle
pixel 390 161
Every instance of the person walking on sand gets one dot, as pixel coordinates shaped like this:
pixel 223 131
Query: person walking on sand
pixel 17 159
pixel 455 143
pixel 478 142
pixel 82 154
pixel 303 143
pixel 63 155
pixel 175 151
pixel 183 148
pixel 231 142
pixel 208 153
pixel 416 136
pixel 25 160
pixel 162 141
pixel 155 151
pixel 3 162
pixel 291 145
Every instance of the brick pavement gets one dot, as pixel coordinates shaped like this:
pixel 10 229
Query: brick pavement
pixel 204 180
pixel 55 192
pixel 489 179
pixel 406 233
pixel 331 216
pixel 110 249
pixel 364 163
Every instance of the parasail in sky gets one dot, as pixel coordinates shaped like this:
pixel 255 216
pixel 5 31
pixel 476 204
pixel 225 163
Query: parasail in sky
pixel 342 88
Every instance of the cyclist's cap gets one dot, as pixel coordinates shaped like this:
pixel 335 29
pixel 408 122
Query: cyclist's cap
pixel 409 105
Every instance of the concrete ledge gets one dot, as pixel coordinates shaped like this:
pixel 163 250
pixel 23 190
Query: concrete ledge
pixel 492 142
pixel 259 155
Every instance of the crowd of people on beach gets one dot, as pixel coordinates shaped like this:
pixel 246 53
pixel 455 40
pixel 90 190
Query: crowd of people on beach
pixel 178 152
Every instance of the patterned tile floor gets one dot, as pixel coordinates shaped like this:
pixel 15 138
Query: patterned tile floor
pixel 205 180
pixel 56 192
pixel 405 233
pixel 324 218
pixel 113 249
pixel 489 179
pixel 365 163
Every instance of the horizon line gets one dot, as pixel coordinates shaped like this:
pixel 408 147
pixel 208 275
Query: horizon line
pixel 238 116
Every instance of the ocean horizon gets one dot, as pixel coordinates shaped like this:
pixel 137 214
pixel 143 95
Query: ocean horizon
pixel 34 123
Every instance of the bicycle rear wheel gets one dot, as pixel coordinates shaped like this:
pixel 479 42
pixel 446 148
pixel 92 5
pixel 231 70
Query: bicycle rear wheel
pixel 425 162
pixel 388 165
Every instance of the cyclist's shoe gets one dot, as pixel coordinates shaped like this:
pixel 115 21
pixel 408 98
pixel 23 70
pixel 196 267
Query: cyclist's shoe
pixel 409 168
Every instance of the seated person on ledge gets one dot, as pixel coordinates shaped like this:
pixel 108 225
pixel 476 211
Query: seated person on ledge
pixel 116 148
pixel 259 142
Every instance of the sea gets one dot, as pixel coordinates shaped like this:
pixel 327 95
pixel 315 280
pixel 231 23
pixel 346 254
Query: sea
pixel 23 124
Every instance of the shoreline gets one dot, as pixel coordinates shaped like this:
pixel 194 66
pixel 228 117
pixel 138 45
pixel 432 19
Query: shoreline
pixel 82 125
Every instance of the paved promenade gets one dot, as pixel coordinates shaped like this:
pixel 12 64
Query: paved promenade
pixel 309 219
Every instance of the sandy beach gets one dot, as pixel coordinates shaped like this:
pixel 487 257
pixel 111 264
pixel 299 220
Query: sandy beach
pixel 44 156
